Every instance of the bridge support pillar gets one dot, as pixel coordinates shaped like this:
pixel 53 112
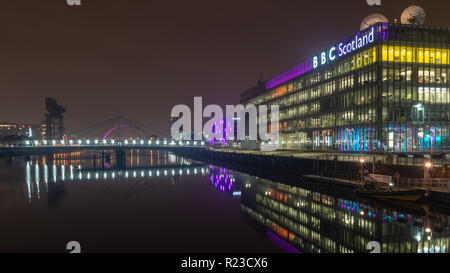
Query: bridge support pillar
pixel 103 159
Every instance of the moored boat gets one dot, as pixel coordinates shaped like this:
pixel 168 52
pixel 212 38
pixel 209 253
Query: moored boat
pixel 405 195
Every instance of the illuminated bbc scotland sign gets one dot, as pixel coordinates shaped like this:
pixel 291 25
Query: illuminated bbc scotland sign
pixel 358 41
pixel 344 48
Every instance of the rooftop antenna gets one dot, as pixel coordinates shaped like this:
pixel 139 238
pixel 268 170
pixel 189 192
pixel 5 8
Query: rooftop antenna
pixel 413 15
pixel 372 20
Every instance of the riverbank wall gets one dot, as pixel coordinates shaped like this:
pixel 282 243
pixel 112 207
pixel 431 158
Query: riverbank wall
pixel 293 169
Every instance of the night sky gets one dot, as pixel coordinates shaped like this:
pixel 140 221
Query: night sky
pixel 139 58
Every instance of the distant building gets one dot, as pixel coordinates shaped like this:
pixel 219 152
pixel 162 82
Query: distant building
pixel 172 120
pixel 53 125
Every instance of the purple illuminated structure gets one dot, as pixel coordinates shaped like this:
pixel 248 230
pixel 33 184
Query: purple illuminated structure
pixel 226 130
pixel 112 130
pixel 121 126
pixel 290 74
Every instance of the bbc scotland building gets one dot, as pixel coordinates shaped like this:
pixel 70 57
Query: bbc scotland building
pixel 385 89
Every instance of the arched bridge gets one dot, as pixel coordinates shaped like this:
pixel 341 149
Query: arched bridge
pixel 105 128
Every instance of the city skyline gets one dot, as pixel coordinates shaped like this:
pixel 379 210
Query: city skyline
pixel 140 65
pixel 216 134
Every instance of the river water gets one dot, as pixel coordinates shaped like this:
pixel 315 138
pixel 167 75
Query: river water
pixel 164 203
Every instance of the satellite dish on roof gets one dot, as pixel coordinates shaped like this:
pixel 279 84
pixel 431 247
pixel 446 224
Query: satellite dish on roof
pixel 414 15
pixel 373 19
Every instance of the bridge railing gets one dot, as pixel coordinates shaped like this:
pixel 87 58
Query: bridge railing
pixel 436 184
pixel 109 143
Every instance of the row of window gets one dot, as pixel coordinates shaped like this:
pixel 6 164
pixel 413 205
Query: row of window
pixel 395 137
pixel 424 94
pixel 434 74
pixel 356 61
pixel 407 54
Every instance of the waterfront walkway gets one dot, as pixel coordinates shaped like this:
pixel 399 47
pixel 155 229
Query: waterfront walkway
pixel 401 159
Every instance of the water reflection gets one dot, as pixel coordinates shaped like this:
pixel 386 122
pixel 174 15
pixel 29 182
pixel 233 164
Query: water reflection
pixel 45 176
pixel 302 218
pixel 55 187
pixel 224 181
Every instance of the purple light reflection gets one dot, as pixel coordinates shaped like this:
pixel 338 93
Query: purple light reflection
pixel 282 244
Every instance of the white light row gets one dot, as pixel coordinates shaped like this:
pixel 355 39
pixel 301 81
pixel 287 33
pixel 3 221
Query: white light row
pixel 142 174
pixel 112 142
pixel 126 174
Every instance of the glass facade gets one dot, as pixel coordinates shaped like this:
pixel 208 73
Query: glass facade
pixel 391 95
